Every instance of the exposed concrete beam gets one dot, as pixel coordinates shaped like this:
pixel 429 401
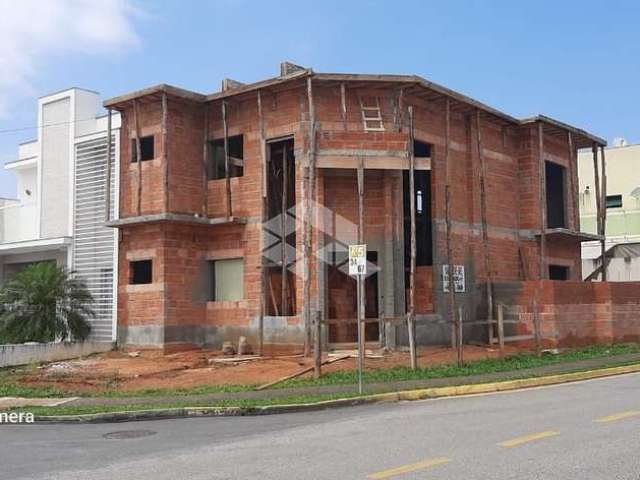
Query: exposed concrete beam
pixel 174 217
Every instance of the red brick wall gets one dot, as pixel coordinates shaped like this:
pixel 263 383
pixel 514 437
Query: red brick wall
pixel 141 305
pixel 185 133
pixel 579 313
pixel 512 203
pixel 152 199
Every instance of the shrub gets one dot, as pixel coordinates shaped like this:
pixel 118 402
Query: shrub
pixel 43 303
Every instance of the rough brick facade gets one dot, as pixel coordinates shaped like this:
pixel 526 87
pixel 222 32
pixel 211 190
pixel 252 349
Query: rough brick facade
pixel 182 221
pixel 573 313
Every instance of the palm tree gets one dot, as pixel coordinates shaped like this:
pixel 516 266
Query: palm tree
pixel 44 303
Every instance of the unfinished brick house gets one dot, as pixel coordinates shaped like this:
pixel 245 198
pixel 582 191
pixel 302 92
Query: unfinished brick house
pixel 236 209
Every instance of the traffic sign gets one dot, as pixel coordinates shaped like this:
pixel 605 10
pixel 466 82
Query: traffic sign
pixel 357 259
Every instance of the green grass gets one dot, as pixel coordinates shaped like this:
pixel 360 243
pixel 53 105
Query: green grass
pixel 478 367
pixel 164 392
pixel 240 402
pixel 9 385
pixel 10 388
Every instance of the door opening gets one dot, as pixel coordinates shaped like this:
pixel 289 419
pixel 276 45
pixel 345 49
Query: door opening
pixel 279 259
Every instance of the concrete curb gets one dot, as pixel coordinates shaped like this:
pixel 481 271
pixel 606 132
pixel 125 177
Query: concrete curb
pixel 406 395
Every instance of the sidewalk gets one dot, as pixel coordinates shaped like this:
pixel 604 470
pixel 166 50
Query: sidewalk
pixel 554 369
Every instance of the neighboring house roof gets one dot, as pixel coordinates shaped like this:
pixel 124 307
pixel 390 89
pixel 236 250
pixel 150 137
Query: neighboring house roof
pixel 412 84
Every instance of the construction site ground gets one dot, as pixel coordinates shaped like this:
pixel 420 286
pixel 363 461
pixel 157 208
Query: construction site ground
pixel 168 400
pixel 130 372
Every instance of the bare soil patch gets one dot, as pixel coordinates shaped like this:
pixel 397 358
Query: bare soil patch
pixel 120 371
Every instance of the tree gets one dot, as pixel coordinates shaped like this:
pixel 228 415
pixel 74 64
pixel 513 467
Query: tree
pixel 43 303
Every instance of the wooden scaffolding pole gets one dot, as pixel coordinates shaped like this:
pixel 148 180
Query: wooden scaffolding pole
pixel 447 221
pixel 205 161
pixel 107 192
pixel 485 226
pixel 400 110
pixel 227 177
pixel 165 153
pixel 263 219
pixel 138 154
pixel 360 281
pixel 572 184
pixel 412 268
pixel 596 178
pixel 603 221
pixel 283 233
pixel 543 204
pixel 343 105
pixel 309 199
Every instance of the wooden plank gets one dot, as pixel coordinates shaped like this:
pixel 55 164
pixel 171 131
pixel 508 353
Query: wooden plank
pixel 523 263
pixel 350 162
pixel 603 202
pixel 572 184
pixel 543 203
pixel 273 297
pixel 283 232
pixel 307 233
pixel 536 325
pixel 343 103
pixel 238 359
pixel 138 155
pixel 501 327
pixel 412 267
pixel 301 372
pixel 485 226
pixel 447 218
pixel 227 178
pixel 165 153
pixel 460 336
pixel 361 285
pixel 263 219
pixel 107 193
pixel 401 111
pixel 205 161
pixel 596 178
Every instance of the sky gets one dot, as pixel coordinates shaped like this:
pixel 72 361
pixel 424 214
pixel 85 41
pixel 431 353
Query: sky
pixel 577 61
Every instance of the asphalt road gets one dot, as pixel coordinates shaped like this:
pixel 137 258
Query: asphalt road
pixel 588 430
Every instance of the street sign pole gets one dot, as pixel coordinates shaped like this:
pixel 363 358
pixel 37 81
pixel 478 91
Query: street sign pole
pixel 358 267
pixel 360 352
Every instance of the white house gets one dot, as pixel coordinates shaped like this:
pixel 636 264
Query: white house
pixel 59 211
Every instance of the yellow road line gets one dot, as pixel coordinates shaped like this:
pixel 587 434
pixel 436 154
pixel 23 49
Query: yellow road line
pixel 617 416
pixel 392 472
pixel 514 442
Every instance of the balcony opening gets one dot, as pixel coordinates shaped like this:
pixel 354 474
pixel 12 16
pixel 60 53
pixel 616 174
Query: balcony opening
pixel 422 188
pixel 555 189
pixel 216 161
pixel 280 258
